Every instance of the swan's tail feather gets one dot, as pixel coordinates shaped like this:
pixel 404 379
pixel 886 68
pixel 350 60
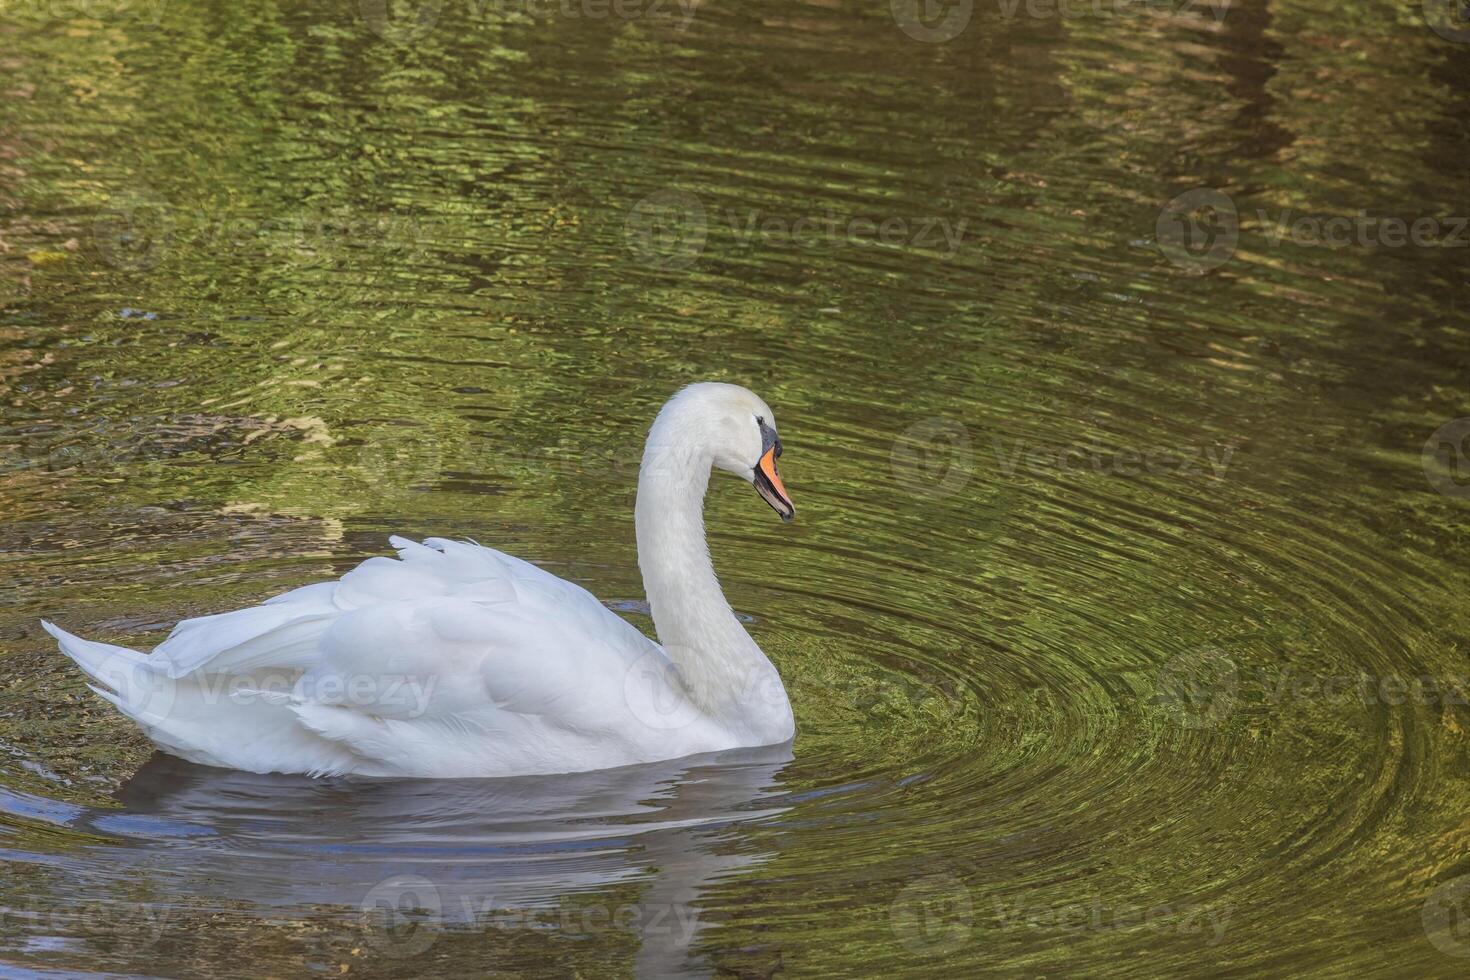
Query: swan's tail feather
pixel 100 661
pixel 124 677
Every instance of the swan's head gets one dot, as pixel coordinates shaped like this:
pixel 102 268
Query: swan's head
pixel 733 428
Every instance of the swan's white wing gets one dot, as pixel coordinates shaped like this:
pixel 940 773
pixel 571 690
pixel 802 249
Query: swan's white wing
pixel 452 659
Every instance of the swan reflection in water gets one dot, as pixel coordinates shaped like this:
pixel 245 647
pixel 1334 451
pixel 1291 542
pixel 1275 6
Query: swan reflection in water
pixel 409 860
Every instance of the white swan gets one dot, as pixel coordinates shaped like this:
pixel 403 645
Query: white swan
pixel 459 660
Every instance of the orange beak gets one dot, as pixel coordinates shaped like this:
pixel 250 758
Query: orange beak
pixel 768 484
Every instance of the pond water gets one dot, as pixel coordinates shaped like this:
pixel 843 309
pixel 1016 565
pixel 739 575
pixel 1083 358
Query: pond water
pixel 1118 350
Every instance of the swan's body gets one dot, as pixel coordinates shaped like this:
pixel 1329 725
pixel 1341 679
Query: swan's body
pixel 459 660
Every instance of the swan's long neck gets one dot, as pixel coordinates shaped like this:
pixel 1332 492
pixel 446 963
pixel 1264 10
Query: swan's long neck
pixel 723 670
